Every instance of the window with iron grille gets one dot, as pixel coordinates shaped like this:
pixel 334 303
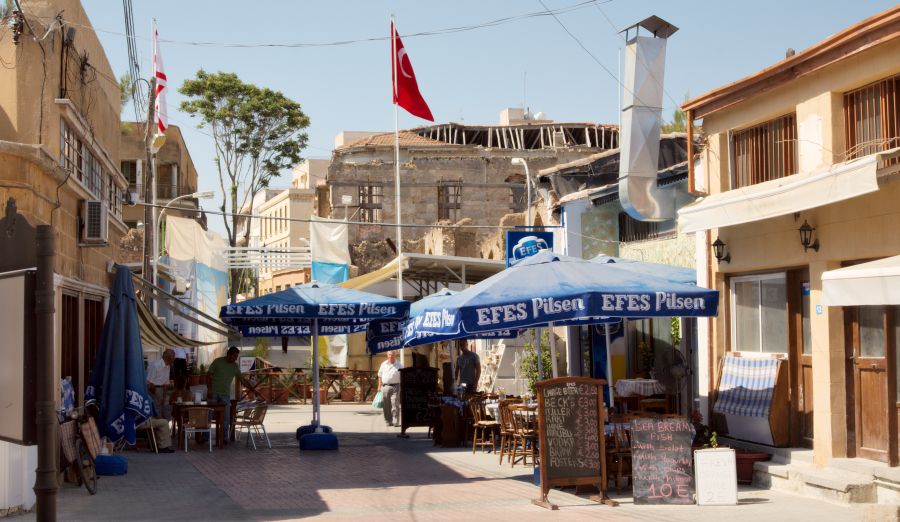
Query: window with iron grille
pixel 449 200
pixel 631 229
pixel 70 151
pixel 765 152
pixel 370 197
pixel 872 119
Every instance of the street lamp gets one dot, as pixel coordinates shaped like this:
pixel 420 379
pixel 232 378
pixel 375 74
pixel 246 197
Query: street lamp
pixel 196 195
pixel 520 162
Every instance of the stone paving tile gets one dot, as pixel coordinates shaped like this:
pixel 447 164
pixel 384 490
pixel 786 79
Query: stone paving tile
pixel 374 476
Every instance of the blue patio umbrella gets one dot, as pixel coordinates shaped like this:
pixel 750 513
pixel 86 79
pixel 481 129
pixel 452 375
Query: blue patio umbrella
pixel 384 336
pixel 549 288
pixel 552 288
pixel 118 384
pixel 312 309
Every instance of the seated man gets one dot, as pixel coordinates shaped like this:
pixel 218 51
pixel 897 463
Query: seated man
pixel 157 385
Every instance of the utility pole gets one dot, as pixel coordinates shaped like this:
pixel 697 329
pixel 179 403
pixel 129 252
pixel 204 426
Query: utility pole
pixel 149 196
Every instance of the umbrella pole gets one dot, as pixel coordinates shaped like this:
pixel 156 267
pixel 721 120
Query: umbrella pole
pixel 552 350
pixel 316 394
pixel 609 382
pixel 540 353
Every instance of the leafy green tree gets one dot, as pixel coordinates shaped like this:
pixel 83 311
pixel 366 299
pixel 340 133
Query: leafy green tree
pixel 257 133
pixel 528 363
pixel 677 124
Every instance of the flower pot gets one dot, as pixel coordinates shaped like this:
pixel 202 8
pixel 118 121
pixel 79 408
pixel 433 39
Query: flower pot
pixel 744 464
pixel 348 394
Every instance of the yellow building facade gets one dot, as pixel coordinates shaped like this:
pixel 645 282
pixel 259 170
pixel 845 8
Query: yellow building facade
pixel 808 143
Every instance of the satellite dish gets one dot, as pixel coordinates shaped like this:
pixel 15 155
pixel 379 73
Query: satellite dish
pixel 540 116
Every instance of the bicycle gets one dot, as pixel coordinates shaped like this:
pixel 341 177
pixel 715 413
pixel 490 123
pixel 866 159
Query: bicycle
pixel 80 443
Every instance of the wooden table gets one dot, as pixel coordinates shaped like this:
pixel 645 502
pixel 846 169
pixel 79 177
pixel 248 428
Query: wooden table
pixel 219 412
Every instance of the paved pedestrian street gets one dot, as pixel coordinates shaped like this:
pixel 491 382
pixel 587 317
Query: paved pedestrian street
pixel 374 476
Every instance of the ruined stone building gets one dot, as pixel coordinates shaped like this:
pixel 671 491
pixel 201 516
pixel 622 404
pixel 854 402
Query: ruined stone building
pixel 448 172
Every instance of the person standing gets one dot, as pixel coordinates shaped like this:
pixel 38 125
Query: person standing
pixel 222 372
pixel 468 367
pixel 158 383
pixel 179 368
pixel 389 383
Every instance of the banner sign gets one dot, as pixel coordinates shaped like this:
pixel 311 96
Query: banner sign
pixel 521 244
pixel 541 310
pixel 384 336
pixel 295 330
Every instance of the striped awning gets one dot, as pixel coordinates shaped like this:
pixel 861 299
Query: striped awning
pixel 155 333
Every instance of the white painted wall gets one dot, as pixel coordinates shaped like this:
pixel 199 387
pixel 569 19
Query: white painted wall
pixel 17 475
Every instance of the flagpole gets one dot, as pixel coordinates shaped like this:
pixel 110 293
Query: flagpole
pixel 397 173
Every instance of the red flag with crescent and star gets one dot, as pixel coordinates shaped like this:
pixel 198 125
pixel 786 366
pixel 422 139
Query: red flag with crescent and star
pixel 406 90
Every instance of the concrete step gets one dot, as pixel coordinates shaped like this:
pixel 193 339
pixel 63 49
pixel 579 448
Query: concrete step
pixel 834 485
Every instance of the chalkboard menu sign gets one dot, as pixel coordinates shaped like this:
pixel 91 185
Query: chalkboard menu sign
pixel 416 384
pixel 570 420
pixel 661 461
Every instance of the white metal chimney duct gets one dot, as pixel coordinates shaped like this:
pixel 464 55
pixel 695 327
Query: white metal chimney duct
pixel 645 60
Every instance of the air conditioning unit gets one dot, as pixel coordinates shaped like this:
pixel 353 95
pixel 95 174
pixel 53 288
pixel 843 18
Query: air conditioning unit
pixel 95 223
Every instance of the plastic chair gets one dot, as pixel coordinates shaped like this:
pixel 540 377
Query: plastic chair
pixel 252 419
pixel 146 428
pixel 196 420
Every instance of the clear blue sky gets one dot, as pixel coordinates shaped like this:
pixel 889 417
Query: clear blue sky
pixel 464 76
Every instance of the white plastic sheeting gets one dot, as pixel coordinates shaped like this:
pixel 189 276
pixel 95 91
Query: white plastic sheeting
pixel 17 474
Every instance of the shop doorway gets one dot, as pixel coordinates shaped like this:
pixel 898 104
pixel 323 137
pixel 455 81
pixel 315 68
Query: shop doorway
pixel 800 359
pixel 872 334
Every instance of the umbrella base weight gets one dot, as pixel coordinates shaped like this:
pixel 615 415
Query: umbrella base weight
pixel 111 465
pixel 319 441
pixel 311 428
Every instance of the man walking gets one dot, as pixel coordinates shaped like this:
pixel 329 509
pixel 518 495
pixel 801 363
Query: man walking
pixel 222 373
pixel 389 383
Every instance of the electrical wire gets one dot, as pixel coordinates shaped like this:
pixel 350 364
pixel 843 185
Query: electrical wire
pixel 598 62
pixel 340 221
pixel 642 62
pixel 436 32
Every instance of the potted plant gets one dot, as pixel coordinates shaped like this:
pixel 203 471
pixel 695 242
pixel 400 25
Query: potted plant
pixel 349 390
pixel 528 363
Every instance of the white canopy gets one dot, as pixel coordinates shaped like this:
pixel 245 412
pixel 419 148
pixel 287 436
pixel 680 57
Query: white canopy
pixel 872 283
pixel 783 196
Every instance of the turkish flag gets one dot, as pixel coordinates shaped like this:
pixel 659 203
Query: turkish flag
pixel 406 90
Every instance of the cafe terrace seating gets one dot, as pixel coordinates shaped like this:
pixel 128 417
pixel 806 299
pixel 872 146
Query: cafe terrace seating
pixel 251 418
pixel 507 427
pixel 524 434
pixel 196 419
pixel 482 426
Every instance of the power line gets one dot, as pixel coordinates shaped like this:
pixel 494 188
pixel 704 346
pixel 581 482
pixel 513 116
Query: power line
pixel 598 62
pixel 436 32
pixel 340 221
pixel 619 33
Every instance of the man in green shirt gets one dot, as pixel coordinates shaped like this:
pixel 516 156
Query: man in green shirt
pixel 222 373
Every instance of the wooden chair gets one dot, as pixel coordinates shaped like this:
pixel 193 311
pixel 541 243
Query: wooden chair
pixel 524 435
pixel 252 419
pixel 196 420
pixel 481 427
pixel 618 450
pixel 656 404
pixel 507 427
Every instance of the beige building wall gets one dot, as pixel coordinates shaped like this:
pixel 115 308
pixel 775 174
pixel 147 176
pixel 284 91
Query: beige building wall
pixel 861 228
pixel 278 229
